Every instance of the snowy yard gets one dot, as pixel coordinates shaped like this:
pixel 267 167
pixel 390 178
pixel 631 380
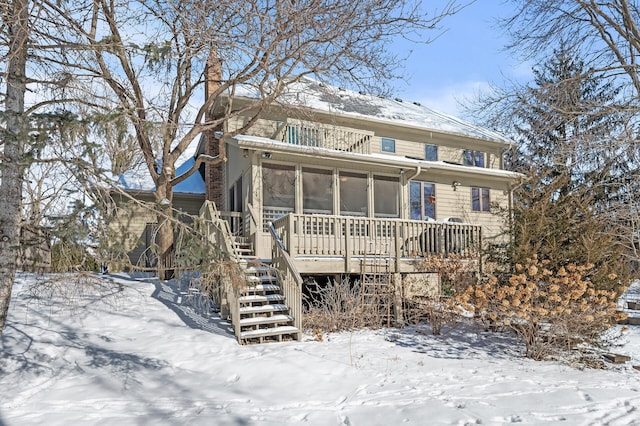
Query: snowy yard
pixel 136 357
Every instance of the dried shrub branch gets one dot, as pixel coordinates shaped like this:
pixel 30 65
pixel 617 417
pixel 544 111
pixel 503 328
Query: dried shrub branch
pixel 549 310
pixel 338 306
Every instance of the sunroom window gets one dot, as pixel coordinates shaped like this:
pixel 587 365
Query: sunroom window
pixel 353 194
pixel 278 190
pixel 385 194
pixel 317 191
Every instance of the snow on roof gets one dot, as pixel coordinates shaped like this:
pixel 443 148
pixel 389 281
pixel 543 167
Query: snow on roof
pixel 136 179
pixel 323 97
pixel 140 180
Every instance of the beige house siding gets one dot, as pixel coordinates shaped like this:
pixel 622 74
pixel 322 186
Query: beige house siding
pixel 449 149
pixel 458 204
pixel 135 224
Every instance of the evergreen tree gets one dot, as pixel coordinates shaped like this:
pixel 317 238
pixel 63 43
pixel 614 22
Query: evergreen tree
pixel 567 151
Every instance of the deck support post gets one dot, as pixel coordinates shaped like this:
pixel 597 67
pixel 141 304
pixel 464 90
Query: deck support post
pixel 398 243
pixel 347 249
pixel 398 291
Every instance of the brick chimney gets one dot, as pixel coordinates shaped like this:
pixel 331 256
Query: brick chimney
pixel 214 175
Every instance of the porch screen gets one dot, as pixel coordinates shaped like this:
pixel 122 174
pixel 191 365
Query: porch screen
pixel 385 194
pixel 317 191
pixel 353 194
pixel 278 188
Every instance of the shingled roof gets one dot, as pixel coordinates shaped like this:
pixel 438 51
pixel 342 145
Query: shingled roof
pixel 319 96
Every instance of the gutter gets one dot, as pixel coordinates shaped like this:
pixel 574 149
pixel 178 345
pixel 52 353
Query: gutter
pixel 265 144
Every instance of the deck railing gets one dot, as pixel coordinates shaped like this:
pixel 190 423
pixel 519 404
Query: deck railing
pixel 341 139
pixel 236 221
pixel 219 233
pixel 323 235
pixel 289 279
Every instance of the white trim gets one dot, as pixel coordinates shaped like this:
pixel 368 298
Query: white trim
pixel 271 145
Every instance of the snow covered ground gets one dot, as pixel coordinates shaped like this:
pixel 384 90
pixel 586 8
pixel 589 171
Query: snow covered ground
pixel 128 354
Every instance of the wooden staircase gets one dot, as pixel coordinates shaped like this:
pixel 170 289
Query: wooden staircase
pixel 243 248
pixel 263 315
pixel 267 306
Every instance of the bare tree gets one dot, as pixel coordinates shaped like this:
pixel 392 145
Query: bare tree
pixel 141 67
pixel 609 33
pixel 147 62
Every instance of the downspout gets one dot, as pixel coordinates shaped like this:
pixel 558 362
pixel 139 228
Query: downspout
pixel 418 171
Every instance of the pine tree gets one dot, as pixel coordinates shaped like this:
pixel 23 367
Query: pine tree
pixel 566 136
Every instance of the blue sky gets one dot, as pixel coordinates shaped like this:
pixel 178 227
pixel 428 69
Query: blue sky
pixel 463 61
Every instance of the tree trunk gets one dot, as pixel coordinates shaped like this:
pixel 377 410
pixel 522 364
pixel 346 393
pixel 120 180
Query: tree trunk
pixel 164 196
pixel 12 165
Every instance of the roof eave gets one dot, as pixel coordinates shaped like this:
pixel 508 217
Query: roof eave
pixel 265 144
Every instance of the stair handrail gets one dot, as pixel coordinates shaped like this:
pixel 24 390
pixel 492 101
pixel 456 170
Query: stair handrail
pixel 222 235
pixel 290 279
pixel 219 233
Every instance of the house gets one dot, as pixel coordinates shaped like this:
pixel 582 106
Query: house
pixel 135 227
pixel 330 182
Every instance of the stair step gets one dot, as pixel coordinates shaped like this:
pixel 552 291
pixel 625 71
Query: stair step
pixel 255 279
pixel 274 319
pixel 274 307
pixel 257 270
pixel 264 332
pixel 258 298
pixel 261 288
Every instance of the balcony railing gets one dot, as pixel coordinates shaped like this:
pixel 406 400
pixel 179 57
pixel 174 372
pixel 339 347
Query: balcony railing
pixel 340 139
pixel 320 235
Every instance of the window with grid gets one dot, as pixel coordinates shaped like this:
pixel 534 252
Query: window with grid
pixel 473 158
pixel 480 199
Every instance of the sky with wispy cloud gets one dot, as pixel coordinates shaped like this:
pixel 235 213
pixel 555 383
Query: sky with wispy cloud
pixel 463 61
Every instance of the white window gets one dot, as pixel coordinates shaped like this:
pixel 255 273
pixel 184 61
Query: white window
pixel 431 152
pixel 473 158
pixel 388 145
pixel 422 200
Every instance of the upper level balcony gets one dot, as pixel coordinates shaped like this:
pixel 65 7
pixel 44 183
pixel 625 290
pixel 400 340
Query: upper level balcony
pixel 328 137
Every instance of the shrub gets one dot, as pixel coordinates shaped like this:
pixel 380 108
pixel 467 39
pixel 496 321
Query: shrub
pixel 71 257
pixel 339 306
pixel 547 309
